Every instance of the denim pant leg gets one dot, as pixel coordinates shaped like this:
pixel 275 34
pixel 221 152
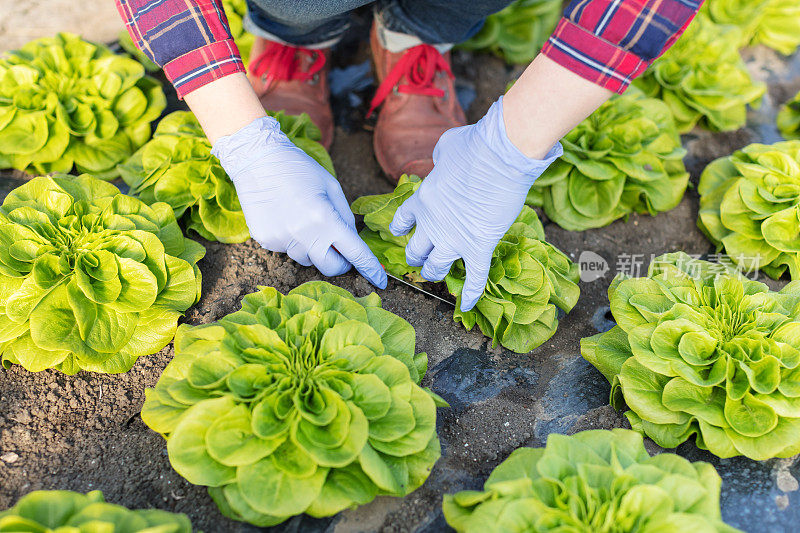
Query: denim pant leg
pixel 302 22
pixel 437 21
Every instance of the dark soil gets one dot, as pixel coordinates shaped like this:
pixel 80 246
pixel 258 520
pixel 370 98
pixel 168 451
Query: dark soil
pixel 83 432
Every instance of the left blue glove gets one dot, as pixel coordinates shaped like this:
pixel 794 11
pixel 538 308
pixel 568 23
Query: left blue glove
pixel 292 204
pixel 469 200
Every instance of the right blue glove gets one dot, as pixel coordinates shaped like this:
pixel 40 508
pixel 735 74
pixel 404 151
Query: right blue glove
pixel 292 204
pixel 469 200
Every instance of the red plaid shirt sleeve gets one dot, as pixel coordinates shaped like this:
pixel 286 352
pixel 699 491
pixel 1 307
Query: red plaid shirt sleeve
pixel 611 42
pixel 189 39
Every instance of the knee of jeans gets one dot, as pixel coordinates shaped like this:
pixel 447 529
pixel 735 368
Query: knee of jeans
pixel 294 13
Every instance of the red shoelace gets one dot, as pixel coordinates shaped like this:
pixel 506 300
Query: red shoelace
pixel 418 66
pixel 280 62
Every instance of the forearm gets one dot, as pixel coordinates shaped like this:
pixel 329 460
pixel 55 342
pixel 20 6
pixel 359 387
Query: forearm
pixel 545 103
pixel 224 106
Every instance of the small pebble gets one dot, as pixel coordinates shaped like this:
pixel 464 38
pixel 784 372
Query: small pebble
pixel 9 457
pixel 787 482
pixel 782 501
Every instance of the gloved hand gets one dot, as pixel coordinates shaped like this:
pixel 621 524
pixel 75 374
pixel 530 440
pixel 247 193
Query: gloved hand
pixel 469 200
pixel 292 204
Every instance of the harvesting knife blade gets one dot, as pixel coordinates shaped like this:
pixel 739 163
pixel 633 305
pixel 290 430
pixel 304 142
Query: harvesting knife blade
pixel 420 289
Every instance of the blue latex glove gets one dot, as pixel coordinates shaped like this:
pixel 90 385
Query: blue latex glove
pixel 469 200
pixel 292 204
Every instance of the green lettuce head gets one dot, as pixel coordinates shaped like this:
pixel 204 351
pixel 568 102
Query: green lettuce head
pixel 90 279
pixel 519 31
pixel 235 11
pixel 703 79
pixel 789 119
pixel 750 206
pixel 303 403
pixel 701 350
pixel 177 167
pixel 528 278
pixel 62 510
pixel 600 481
pixel 773 23
pixel 67 102
pixel 626 157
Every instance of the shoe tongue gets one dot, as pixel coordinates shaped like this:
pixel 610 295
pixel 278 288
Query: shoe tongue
pixel 415 72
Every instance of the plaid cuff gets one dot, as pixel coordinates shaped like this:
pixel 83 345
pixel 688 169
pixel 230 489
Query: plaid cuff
pixel 203 65
pixel 593 58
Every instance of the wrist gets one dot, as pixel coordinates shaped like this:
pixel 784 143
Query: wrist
pixel 235 150
pixel 531 140
pixel 225 106
pixel 545 103
pixel 493 129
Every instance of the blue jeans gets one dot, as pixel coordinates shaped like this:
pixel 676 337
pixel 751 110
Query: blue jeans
pixel 309 22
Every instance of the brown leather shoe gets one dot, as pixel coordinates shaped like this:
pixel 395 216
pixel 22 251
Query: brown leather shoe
pixel 417 90
pixel 294 80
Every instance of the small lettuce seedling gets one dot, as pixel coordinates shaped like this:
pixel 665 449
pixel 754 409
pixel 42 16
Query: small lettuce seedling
pixel 90 279
pixel 528 278
pixel 700 350
pixel 72 512
pixel 303 403
pixel 625 158
pixel 177 167
pixel 66 102
pixel 598 480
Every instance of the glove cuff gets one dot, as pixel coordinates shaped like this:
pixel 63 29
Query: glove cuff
pixel 236 149
pixel 493 129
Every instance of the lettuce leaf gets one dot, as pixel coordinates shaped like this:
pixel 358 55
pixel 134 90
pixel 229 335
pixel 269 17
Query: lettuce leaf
pixel 773 23
pixel 749 206
pixel 307 402
pixel 90 279
pixel 595 480
pixel 700 350
pixel 66 102
pixel 626 157
pixel 789 119
pixel 703 79
pixel 517 32
pixel 62 510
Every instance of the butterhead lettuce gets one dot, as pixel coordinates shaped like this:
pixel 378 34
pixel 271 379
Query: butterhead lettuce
pixel 626 157
pixel 700 350
pixel 598 480
pixel 703 79
pixel 66 102
pixel 90 279
pixel 528 278
pixel 750 204
pixel 300 403
pixel 773 23
pixel 177 167
pixel 72 512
